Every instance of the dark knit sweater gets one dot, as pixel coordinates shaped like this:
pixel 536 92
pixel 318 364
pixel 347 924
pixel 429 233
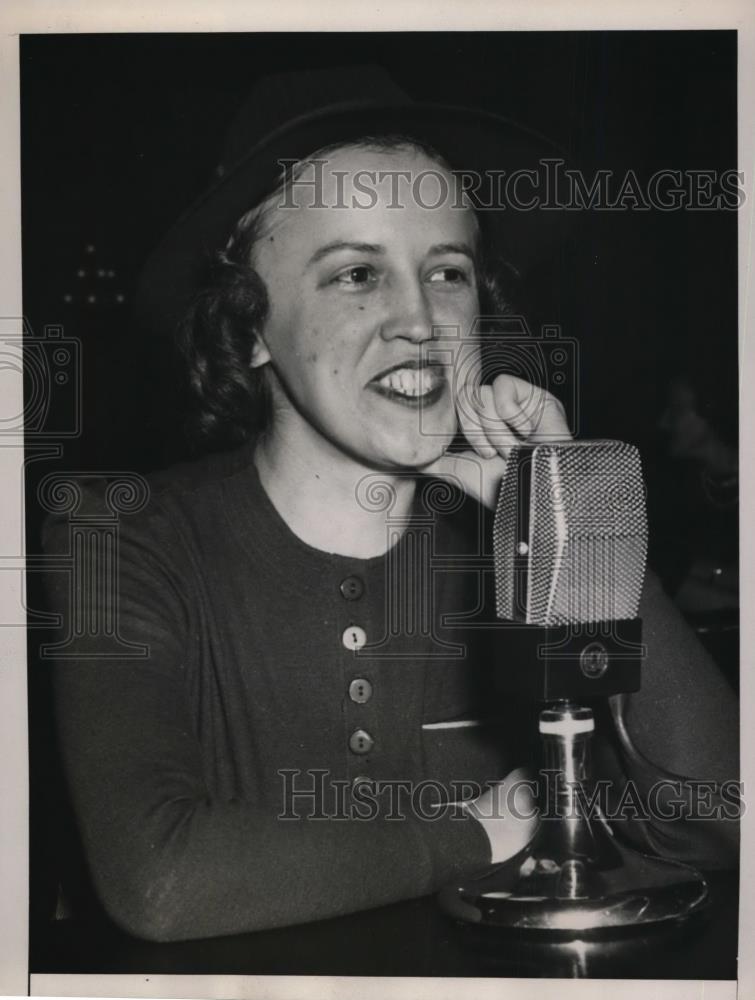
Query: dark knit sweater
pixel 178 761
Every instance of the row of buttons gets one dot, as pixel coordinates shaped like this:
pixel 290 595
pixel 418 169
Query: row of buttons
pixel 360 689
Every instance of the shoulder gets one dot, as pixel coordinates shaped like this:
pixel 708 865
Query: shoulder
pixel 151 505
pixel 199 475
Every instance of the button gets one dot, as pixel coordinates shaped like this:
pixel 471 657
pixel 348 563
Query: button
pixel 361 779
pixel 360 690
pixel 354 637
pixel 352 588
pixel 361 742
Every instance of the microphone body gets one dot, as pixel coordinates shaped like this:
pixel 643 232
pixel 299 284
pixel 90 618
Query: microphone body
pixel 570 542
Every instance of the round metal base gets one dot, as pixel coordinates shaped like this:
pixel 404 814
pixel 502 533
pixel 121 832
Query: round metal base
pixel 616 892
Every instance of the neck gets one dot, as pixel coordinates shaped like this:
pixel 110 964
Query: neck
pixel 323 495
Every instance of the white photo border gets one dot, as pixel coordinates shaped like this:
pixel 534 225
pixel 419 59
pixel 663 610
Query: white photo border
pixel 64 16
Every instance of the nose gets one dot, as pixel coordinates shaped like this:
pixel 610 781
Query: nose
pixel 409 316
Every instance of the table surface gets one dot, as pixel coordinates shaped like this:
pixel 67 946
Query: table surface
pixel 412 938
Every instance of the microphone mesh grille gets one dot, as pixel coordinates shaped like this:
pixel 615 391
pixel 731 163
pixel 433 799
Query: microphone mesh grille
pixel 586 531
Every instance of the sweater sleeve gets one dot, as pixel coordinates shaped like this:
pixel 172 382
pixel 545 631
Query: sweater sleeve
pixel 167 859
pixel 682 723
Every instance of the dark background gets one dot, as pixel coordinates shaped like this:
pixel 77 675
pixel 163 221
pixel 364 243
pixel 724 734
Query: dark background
pixel 120 133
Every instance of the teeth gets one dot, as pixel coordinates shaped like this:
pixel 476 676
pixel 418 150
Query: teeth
pixel 410 381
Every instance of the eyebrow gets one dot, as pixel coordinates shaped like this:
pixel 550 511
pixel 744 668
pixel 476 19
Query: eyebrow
pixel 343 245
pixel 374 248
pixel 461 248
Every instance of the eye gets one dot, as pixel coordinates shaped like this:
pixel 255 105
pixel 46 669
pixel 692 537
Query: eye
pixel 449 276
pixel 357 276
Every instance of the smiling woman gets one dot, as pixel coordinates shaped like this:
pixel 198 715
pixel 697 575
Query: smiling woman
pixel 312 602
pixel 235 300
pixel 375 285
pixel 383 303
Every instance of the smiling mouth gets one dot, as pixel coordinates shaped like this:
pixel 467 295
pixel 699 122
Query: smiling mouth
pixel 411 384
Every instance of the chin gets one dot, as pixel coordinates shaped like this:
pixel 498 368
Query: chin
pixel 414 452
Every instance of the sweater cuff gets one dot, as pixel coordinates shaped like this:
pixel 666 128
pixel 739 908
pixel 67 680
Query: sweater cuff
pixel 456 843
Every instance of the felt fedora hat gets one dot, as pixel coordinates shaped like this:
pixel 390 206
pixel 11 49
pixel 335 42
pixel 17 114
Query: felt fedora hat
pixel 289 116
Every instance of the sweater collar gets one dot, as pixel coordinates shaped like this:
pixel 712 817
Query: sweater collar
pixel 262 530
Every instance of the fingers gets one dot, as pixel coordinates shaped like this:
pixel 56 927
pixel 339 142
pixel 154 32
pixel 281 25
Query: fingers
pixel 496 417
pixel 489 431
pixel 511 410
pixel 474 404
pixel 468 409
pixel 537 414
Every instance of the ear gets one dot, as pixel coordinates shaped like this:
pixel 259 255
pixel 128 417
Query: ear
pixel 260 354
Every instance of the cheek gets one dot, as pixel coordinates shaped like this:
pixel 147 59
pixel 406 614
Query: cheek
pixel 467 364
pixel 335 347
pixel 318 349
pixel 322 367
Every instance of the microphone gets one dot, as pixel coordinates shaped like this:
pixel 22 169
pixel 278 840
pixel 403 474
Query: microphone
pixel 570 543
pixel 570 540
pixel 570 533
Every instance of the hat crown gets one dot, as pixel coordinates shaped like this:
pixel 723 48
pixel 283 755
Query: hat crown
pixel 280 99
pixel 289 116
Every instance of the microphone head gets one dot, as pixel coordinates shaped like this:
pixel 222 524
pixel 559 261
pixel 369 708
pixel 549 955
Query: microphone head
pixel 570 533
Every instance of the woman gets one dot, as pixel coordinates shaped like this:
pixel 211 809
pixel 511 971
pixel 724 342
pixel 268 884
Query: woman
pixel 302 597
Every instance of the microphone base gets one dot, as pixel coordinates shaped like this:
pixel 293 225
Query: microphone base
pixel 578 898
pixel 575 879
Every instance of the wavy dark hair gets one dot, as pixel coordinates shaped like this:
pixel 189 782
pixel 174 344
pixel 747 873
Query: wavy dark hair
pixel 227 401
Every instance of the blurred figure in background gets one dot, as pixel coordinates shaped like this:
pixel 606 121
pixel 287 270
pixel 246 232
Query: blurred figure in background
pixel 694 496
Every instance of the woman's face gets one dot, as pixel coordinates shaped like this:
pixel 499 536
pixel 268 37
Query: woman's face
pixel 368 308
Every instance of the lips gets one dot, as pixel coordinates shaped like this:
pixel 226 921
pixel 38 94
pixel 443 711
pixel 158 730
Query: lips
pixel 410 382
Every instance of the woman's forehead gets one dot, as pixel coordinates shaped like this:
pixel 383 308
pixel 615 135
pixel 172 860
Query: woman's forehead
pixel 360 174
pixel 366 189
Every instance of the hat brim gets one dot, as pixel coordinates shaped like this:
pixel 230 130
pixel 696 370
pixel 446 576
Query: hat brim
pixel 470 140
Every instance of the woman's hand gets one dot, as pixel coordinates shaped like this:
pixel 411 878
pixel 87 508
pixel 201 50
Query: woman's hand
pixel 508 813
pixel 494 418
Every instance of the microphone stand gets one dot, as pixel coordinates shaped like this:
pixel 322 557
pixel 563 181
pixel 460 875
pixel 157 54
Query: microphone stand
pixel 575 879
pixel 570 538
